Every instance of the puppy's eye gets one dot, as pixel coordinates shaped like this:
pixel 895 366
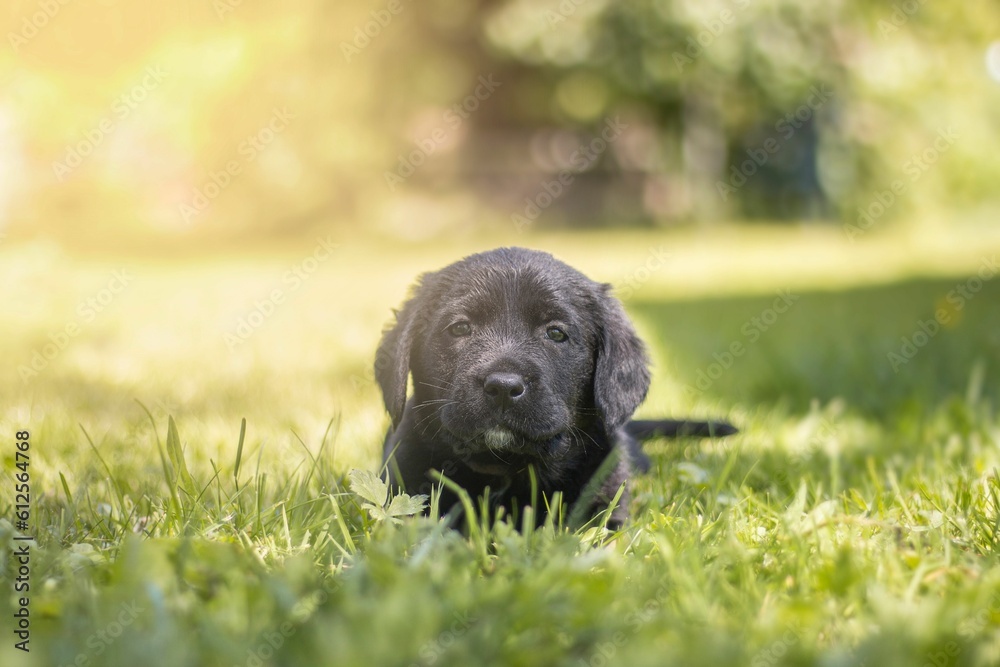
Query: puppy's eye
pixel 459 329
pixel 556 334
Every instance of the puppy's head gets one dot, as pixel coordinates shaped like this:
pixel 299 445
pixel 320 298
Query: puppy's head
pixel 510 350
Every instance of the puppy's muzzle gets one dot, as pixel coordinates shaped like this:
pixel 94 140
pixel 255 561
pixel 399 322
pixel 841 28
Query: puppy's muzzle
pixel 504 389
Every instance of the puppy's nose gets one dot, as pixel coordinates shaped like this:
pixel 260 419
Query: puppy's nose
pixel 504 388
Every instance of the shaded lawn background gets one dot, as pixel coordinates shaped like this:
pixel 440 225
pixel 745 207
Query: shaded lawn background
pixel 312 356
pixel 853 520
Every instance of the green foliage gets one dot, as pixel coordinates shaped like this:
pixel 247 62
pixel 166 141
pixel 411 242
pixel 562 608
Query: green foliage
pixel 709 84
pixel 379 506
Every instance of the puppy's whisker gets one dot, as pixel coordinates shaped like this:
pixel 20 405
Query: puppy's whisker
pixel 423 420
pixel 438 431
pixel 582 437
pixel 497 455
pixel 423 417
pixel 426 418
pixel 438 404
pixel 432 402
pixel 448 385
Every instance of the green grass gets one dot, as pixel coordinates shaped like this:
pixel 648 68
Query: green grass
pixel 854 520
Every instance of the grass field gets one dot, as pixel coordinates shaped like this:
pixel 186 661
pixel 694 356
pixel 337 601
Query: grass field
pixel 854 521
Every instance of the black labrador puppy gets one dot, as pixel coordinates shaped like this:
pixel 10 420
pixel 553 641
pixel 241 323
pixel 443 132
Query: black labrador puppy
pixel 525 374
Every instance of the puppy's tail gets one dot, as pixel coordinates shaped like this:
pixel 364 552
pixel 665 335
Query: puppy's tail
pixel 644 429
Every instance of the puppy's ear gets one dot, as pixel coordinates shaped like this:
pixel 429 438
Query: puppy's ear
pixel 392 360
pixel 621 371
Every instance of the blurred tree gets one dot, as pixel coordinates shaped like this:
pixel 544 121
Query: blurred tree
pixel 768 108
pixel 415 118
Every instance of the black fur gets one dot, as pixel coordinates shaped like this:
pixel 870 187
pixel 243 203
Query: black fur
pixel 507 395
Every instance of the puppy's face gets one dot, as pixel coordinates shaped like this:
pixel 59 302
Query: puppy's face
pixel 506 358
pixel 510 350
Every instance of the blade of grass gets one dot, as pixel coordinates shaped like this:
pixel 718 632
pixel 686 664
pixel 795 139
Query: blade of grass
pixel 65 486
pixel 176 454
pixel 119 496
pixel 239 452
